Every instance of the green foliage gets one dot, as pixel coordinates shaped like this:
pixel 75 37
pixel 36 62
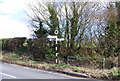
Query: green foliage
pixel 15 55
pixel 89 45
pixel 13 43
pixel 5 44
pixel 62 65
pixel 75 69
pixel 50 55
pixel 0 45
pixel 114 72
pixel 54 23
pixel 25 44
pixel 41 32
pixel 37 48
pixel 22 49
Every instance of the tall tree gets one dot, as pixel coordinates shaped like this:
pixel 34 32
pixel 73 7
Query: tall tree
pixel 109 33
pixel 71 19
pixel 41 32
pixel 54 23
pixel 118 11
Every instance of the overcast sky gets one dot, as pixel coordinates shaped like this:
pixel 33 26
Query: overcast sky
pixel 13 19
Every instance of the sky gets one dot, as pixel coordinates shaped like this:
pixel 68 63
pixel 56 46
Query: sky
pixel 13 19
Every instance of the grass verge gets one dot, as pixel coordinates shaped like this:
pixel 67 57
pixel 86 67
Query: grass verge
pixel 113 73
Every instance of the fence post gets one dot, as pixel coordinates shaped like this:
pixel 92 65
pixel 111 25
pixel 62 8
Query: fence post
pixel 104 63
pixel 67 59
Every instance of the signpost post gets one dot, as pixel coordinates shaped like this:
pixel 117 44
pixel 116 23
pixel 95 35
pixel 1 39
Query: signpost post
pixel 56 42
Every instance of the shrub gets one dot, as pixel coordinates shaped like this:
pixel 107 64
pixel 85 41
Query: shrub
pixel 15 44
pixel 5 44
pixel 50 55
pixel 37 48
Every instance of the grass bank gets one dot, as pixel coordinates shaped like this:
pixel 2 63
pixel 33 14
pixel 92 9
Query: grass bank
pixel 25 61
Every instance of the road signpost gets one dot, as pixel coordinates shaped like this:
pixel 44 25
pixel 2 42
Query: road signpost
pixel 50 36
pixel 56 42
pixel 60 39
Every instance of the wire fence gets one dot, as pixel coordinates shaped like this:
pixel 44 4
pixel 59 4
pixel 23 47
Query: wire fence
pixel 93 63
pixel 86 62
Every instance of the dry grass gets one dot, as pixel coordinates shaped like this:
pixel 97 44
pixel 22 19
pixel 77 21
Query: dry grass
pixel 23 60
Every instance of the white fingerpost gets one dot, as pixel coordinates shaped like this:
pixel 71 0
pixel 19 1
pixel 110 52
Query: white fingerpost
pixel 60 39
pixel 51 37
pixel 56 42
pixel 56 32
pixel 56 50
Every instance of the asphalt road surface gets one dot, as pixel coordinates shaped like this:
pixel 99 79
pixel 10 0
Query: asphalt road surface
pixel 11 71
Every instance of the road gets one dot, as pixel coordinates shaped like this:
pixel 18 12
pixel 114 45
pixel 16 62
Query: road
pixel 11 71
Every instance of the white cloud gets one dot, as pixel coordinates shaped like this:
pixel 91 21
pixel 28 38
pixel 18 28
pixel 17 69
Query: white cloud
pixel 13 27
pixel 11 6
pixel 10 28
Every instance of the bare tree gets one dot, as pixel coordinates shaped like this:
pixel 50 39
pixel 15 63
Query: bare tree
pixel 107 33
pixel 73 20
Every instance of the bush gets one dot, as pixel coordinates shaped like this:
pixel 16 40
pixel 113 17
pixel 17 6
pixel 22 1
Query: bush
pixel 0 44
pixel 37 48
pixel 15 44
pixel 50 55
pixel 63 65
pixel 15 55
pixel 5 44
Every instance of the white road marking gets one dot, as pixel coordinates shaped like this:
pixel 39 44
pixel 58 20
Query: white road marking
pixel 26 68
pixel 38 70
pixel 8 75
